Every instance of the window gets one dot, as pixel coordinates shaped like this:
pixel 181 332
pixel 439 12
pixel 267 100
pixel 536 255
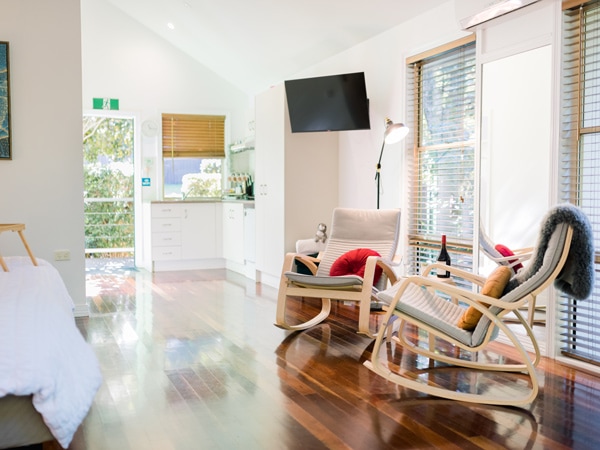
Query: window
pixel 193 152
pixel 580 161
pixel 441 102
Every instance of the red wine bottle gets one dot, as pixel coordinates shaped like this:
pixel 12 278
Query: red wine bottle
pixel 443 258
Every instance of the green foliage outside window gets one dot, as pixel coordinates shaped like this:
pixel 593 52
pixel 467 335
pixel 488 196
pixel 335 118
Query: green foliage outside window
pixel 108 183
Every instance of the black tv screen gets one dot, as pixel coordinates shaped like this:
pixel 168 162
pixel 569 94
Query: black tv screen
pixel 329 103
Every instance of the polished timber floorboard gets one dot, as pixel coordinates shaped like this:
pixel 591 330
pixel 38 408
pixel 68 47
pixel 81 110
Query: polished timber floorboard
pixel 192 360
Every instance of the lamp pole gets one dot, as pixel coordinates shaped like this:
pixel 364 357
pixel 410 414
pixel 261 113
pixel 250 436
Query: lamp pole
pixel 394 132
pixel 378 172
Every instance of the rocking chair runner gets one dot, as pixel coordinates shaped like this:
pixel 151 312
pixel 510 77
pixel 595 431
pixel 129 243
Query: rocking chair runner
pixel 351 229
pixel 564 255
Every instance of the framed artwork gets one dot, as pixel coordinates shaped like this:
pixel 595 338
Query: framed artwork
pixel 5 150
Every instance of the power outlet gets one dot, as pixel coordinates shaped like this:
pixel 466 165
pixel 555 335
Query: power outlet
pixel 62 255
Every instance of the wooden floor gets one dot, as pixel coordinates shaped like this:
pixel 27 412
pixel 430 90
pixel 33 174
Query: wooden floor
pixel 192 360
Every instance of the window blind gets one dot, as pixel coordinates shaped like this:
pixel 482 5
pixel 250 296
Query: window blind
pixel 441 102
pixel 579 321
pixel 192 135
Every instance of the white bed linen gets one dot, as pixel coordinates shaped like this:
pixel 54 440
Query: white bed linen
pixel 42 351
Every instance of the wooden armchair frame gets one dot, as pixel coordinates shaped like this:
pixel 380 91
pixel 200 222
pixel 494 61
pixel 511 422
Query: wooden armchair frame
pixel 376 230
pixel 497 310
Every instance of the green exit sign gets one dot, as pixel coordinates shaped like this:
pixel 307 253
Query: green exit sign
pixel 106 103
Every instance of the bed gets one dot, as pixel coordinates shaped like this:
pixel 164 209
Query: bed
pixel 49 375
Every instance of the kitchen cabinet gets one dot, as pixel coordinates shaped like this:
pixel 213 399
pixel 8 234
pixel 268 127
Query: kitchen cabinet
pixel 198 231
pixel 166 232
pixel 295 184
pixel 233 232
pixel 185 235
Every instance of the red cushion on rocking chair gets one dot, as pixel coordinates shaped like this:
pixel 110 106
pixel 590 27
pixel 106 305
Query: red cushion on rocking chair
pixel 505 251
pixel 353 263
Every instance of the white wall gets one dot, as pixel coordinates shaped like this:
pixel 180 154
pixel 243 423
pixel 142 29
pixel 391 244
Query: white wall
pixel 43 184
pixel 383 61
pixel 124 60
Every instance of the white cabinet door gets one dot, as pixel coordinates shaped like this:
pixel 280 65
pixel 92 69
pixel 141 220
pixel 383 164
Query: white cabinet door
pixel 233 232
pixel 269 180
pixel 296 183
pixel 166 232
pixel 198 231
pixel 249 235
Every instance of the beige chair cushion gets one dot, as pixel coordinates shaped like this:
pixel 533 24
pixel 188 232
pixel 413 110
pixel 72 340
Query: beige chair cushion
pixel 493 287
pixel 376 229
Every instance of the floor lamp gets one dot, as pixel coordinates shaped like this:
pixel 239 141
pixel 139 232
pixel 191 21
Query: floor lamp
pixel 394 132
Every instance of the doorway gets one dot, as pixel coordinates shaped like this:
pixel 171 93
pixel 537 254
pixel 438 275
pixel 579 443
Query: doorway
pixel 109 194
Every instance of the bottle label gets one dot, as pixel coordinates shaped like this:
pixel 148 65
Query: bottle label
pixel 442 273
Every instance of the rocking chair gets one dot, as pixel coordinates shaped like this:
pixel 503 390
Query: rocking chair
pixel 355 265
pixel 564 255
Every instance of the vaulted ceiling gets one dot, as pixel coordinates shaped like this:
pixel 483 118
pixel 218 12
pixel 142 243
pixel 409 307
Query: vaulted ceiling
pixel 256 43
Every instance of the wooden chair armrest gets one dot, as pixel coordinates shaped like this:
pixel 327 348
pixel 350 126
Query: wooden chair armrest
pixel 455 271
pixel 467 296
pixel 388 269
pixel 309 261
pixel 524 251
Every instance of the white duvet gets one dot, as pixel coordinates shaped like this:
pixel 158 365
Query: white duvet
pixel 42 351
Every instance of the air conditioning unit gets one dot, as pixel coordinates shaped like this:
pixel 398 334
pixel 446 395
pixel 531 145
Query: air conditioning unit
pixel 471 13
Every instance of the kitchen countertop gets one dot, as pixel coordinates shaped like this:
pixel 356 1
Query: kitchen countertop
pixel 245 201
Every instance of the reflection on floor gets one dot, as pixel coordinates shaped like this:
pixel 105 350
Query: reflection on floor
pixel 191 360
pixel 106 285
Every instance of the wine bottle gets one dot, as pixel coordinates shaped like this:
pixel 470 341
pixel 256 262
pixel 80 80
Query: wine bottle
pixel 443 258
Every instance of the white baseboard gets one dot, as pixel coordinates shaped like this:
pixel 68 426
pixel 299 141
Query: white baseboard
pixel 81 311
pixel 191 264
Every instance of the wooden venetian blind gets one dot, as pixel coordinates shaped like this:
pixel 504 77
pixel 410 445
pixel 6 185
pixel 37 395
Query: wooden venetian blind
pixel 579 320
pixel 193 136
pixel 441 102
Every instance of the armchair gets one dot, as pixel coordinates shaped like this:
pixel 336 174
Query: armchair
pixel 356 233
pixel 564 256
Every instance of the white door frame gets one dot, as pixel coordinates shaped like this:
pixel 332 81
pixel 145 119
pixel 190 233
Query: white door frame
pixel 137 176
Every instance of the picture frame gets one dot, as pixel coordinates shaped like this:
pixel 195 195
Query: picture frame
pixel 5 131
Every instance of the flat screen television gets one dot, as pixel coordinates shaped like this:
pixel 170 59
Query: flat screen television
pixel 329 103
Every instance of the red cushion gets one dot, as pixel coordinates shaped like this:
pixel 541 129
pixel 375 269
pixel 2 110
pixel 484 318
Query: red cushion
pixel 505 251
pixel 353 263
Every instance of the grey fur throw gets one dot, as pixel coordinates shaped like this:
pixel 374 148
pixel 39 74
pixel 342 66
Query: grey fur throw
pixel 576 279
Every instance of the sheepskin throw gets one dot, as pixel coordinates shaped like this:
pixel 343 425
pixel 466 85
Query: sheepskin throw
pixel 577 276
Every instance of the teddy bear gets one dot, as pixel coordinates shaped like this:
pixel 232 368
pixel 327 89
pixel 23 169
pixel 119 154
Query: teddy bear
pixel 321 233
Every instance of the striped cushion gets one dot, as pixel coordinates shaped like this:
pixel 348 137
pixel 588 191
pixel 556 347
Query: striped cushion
pixel 552 256
pixel 443 315
pixel 303 280
pixel 336 248
pixel 429 308
pixel 375 229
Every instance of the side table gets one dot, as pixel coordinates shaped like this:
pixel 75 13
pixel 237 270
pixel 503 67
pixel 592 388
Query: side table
pixel 18 227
